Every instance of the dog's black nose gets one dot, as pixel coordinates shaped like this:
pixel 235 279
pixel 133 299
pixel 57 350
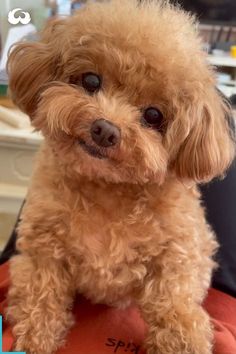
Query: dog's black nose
pixel 105 133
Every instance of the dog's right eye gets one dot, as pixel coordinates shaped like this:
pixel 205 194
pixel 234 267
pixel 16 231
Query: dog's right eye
pixel 91 82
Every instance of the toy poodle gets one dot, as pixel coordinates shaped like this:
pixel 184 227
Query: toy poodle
pixel 131 119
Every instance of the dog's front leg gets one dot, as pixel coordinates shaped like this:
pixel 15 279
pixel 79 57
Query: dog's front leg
pixel 40 299
pixel 177 323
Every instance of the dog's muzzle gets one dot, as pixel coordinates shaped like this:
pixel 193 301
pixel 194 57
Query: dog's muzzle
pixel 104 133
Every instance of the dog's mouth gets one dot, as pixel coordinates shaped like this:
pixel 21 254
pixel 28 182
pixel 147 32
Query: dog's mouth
pixel 91 150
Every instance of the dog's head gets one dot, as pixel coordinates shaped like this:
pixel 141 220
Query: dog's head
pixel 123 92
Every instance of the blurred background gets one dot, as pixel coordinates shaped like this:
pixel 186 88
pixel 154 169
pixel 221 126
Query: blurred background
pixel 18 142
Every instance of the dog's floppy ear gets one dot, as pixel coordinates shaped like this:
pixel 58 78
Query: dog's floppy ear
pixel 31 65
pixel 208 148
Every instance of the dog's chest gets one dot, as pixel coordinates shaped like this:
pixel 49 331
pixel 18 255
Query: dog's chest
pixel 111 236
pixel 112 225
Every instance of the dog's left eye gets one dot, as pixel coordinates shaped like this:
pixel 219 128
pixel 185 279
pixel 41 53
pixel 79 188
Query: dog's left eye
pixel 91 82
pixel 153 117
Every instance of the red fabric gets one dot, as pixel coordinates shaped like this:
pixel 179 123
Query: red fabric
pixel 222 309
pixel 103 330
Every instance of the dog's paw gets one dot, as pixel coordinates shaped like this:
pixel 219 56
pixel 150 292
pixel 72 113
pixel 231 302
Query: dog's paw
pixel 180 348
pixel 31 343
pixel 157 350
pixel 174 342
pixel 30 346
pixel 176 350
pixel 41 338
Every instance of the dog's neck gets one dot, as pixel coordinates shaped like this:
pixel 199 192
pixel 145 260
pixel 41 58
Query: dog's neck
pixel 65 178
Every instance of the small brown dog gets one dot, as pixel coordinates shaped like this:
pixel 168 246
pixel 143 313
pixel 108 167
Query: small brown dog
pixel 132 121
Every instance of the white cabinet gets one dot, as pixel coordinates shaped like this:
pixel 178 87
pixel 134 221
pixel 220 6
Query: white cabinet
pixel 17 152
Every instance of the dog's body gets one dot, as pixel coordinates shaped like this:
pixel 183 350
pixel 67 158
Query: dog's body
pixel 119 244
pixel 108 213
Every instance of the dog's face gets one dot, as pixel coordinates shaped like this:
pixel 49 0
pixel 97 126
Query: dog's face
pixel 123 92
